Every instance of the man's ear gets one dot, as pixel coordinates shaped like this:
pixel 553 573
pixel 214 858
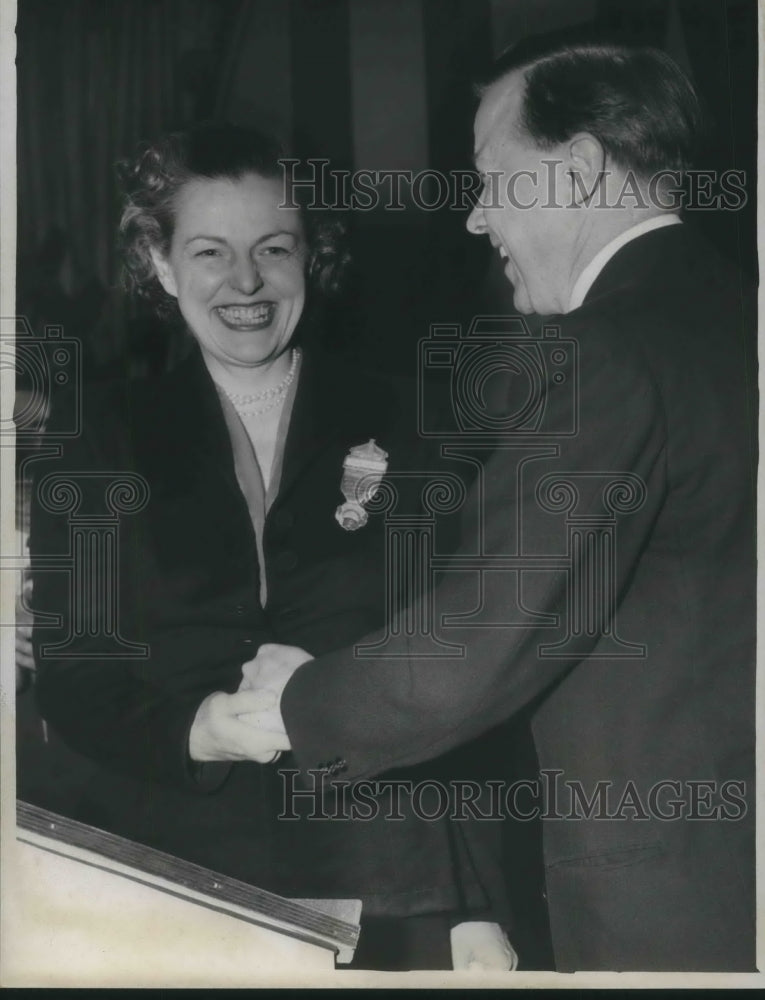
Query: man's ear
pixel 164 272
pixel 586 166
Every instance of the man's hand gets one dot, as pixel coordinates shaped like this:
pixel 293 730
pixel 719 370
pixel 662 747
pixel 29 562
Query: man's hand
pixel 272 668
pixel 219 732
pixel 267 675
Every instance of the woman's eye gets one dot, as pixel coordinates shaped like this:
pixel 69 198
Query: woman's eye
pixel 275 251
pixel 209 252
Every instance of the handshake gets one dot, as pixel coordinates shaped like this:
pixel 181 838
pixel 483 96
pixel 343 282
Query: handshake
pixel 248 725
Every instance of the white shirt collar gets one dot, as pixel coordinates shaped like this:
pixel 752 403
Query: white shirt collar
pixel 586 279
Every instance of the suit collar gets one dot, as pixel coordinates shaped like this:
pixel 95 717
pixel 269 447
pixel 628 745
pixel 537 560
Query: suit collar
pixel 590 273
pixel 647 259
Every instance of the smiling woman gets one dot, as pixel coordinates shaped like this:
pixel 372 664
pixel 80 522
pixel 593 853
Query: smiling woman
pixel 208 231
pixel 239 453
pixel 236 266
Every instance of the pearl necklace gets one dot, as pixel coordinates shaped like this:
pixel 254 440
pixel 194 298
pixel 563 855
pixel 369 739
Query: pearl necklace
pixel 272 397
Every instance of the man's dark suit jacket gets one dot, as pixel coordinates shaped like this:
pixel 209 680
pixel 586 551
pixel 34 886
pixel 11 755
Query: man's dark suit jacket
pixel 667 393
pixel 189 589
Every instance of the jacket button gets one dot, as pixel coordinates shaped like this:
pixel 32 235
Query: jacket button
pixel 286 561
pixel 239 609
pixel 337 765
pixel 247 642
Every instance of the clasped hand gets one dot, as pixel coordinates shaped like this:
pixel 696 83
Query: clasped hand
pixel 248 725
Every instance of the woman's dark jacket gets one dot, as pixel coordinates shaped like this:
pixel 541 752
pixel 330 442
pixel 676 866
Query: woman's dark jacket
pixel 188 598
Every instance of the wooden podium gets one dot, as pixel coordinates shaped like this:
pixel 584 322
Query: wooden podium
pixel 90 908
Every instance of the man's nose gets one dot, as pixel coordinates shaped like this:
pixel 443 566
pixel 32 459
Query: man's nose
pixel 245 276
pixel 476 222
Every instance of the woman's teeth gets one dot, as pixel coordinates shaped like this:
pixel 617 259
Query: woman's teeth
pixel 258 315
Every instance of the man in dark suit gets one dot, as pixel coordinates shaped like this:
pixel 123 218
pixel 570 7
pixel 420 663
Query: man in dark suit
pixel 616 511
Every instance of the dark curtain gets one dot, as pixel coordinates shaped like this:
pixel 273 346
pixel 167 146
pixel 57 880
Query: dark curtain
pixel 94 78
pixel 715 41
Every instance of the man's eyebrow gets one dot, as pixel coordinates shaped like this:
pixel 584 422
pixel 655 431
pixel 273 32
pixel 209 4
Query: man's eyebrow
pixel 278 232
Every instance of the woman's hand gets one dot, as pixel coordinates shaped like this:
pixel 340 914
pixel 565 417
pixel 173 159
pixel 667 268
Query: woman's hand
pixel 25 657
pixel 217 733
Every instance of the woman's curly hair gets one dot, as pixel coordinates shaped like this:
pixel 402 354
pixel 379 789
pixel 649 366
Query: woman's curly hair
pixel 212 150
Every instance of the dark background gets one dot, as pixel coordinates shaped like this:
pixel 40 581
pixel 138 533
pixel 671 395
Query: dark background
pixel 380 84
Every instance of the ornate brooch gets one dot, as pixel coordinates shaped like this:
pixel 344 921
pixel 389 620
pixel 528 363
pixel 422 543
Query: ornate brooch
pixel 363 469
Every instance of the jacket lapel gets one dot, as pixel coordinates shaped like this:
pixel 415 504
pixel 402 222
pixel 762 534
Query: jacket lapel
pixel 317 418
pixel 184 431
